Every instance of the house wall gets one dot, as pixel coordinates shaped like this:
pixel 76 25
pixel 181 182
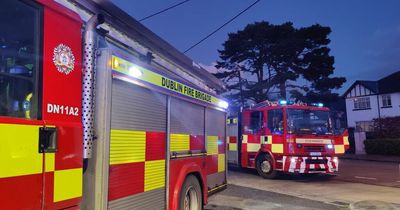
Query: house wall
pixel 395 109
pixel 354 116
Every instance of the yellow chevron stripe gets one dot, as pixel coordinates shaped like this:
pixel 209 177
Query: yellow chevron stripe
pixel 245 139
pixel 221 162
pixel 346 140
pixel 277 148
pixel 253 147
pixel 67 184
pixel 127 146
pixel 232 147
pixel 339 149
pixel 212 145
pixel 49 161
pixel 154 175
pixel 19 150
pixel 180 142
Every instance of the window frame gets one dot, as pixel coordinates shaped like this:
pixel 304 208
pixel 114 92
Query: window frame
pixel 37 75
pixel 272 113
pixel 362 103
pixel 386 101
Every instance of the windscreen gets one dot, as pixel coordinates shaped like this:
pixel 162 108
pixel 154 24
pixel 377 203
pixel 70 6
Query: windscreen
pixel 304 121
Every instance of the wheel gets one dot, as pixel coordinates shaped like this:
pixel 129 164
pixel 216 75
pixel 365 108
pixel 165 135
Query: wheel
pixel 265 168
pixel 190 197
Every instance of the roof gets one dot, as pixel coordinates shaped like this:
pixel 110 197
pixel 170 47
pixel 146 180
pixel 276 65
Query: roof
pixel 133 28
pixel 388 84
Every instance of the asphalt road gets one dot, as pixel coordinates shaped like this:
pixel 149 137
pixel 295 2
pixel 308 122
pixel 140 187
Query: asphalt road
pixel 369 172
pixel 244 198
pixel 357 180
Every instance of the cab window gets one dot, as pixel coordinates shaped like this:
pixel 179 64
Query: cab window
pixel 256 121
pixel 19 58
pixel 275 121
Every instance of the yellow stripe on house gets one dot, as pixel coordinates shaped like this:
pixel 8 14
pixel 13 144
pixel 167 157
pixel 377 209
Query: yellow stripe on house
pixel 180 142
pixel 19 150
pixel 127 146
pixel 154 175
pixel 339 149
pixel 221 162
pixel 212 145
pixel 67 184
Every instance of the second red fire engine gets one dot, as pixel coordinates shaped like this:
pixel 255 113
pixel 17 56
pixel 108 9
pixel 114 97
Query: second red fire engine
pixel 277 137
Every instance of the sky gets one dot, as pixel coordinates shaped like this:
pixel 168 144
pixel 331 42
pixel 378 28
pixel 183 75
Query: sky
pixel 365 38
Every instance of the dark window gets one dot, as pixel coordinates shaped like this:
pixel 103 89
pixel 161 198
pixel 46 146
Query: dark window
pixel 386 101
pixel 275 121
pixel 362 103
pixel 256 121
pixel 19 59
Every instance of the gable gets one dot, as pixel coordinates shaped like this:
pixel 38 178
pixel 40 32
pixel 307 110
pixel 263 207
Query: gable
pixel 358 90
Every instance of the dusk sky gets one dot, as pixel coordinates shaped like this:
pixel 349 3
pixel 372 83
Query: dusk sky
pixel 365 38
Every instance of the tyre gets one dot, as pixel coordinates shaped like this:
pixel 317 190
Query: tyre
pixel 264 166
pixel 190 197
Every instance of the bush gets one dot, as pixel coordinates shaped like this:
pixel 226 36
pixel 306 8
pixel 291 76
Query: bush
pixel 388 127
pixel 382 146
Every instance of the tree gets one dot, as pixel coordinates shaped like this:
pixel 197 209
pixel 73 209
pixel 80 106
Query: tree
pixel 264 58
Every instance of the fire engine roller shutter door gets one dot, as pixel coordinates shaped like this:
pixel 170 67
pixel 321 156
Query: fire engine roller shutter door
pixel 232 140
pixel 137 148
pixel 216 145
pixel 187 126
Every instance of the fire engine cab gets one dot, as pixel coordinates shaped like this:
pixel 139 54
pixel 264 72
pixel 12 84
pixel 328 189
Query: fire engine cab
pixel 97 112
pixel 275 137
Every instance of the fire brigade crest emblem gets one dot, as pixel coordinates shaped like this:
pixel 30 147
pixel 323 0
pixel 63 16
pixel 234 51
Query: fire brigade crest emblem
pixel 64 59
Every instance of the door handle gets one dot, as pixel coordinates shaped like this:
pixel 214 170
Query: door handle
pixel 48 140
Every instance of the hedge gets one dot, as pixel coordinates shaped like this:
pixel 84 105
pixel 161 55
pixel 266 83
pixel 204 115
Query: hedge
pixel 388 127
pixel 382 146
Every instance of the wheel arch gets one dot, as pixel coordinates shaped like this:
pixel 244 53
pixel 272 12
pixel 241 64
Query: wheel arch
pixel 188 169
pixel 267 152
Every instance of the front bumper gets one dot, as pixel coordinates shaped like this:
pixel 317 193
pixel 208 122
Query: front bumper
pixel 308 164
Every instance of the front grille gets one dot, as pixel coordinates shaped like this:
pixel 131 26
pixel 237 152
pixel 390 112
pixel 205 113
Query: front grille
pixel 316 161
pixel 314 149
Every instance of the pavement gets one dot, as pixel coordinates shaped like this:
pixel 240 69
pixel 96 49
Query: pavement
pixel 249 191
pixel 244 198
pixel 368 157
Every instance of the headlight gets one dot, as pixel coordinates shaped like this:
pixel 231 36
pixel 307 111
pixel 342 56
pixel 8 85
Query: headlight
pixel 329 146
pixel 335 159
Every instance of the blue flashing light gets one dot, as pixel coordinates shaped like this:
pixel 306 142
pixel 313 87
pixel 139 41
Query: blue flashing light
pixel 282 102
pixel 317 104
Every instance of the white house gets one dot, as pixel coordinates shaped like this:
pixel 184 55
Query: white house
pixel 367 100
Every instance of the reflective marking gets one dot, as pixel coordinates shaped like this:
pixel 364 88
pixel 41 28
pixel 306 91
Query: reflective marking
pixel 180 142
pixel 19 150
pixel 127 146
pixel 364 177
pixel 67 184
pixel 212 145
pixel 154 175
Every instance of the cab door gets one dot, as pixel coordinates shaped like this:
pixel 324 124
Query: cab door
pixel 61 106
pixel 275 138
pixel 21 173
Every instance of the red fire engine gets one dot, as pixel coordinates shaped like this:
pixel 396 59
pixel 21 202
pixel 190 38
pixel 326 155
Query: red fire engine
pixel 98 112
pixel 275 137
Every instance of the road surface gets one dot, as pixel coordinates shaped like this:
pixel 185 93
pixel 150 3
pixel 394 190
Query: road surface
pixel 357 181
